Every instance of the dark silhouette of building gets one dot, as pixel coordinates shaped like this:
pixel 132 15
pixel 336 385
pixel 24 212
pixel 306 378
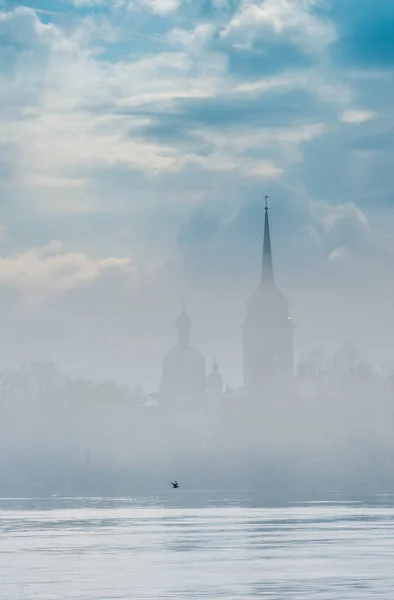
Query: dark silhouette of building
pixel 268 334
pixel 183 376
pixel 267 329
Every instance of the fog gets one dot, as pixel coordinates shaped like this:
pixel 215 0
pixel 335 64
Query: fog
pixel 131 397
pixel 138 139
pixel 295 413
pixel 330 429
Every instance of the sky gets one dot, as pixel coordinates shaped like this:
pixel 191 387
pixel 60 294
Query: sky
pixel 137 141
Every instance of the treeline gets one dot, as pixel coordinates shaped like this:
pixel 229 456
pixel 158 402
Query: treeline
pixel 37 382
pixel 54 428
pixel 343 368
pixel 332 426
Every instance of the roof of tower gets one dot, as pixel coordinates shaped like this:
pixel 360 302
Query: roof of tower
pixel 267 303
pixel 183 321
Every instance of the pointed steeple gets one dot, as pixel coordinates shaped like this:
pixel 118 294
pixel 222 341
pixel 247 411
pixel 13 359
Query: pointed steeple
pixel 267 330
pixel 267 271
pixel 183 324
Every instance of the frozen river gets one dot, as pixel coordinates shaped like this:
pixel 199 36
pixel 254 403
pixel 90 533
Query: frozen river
pixel 218 547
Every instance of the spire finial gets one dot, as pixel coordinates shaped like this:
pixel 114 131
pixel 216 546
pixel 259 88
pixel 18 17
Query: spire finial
pixel 266 198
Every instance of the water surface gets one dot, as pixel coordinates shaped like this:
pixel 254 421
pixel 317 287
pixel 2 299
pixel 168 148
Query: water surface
pixel 221 546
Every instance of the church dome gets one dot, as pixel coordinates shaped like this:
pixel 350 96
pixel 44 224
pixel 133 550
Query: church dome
pixel 187 356
pixel 183 375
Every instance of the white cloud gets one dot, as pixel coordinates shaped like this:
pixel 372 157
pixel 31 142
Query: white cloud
pixel 357 116
pixel 350 262
pixel 334 216
pixel 42 272
pixel 233 163
pixel 341 253
pixel 91 110
pixel 345 225
pixel 290 18
pixel 161 7
pixel 283 142
pixel 77 112
pixel 89 3
pixel 80 113
pixel 191 38
pixel 60 133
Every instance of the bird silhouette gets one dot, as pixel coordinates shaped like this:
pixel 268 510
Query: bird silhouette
pixel 175 484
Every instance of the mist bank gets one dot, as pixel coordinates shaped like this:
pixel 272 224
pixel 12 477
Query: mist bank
pixel 331 430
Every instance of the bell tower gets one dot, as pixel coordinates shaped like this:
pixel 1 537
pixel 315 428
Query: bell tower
pixel 268 331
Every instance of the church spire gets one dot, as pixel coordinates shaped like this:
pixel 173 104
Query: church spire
pixel 183 324
pixel 267 271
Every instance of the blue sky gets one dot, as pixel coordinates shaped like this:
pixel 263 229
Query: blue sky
pixel 137 140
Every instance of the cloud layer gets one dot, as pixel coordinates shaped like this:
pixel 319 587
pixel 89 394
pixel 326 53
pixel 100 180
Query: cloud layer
pixel 152 128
